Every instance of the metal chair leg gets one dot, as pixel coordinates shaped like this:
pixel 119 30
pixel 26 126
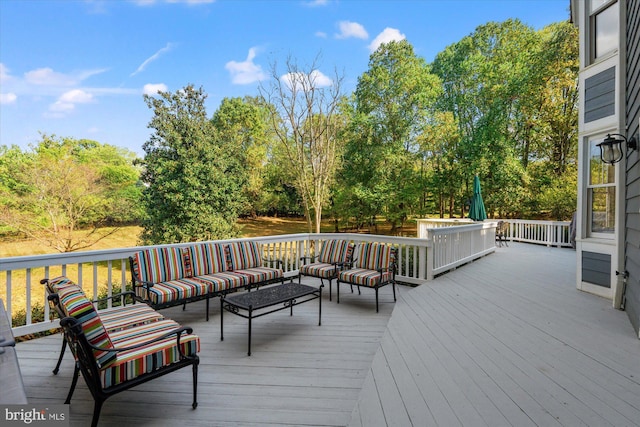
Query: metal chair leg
pixel 74 382
pixel 64 346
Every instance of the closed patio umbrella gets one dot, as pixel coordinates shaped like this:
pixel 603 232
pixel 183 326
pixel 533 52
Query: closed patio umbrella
pixel 477 211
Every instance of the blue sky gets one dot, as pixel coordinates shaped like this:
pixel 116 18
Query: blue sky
pixel 78 69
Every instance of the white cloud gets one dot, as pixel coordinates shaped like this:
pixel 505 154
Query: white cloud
pixel 152 58
pixel 8 98
pixel 76 96
pixel 386 36
pixel 4 73
pixel 153 89
pixel 245 72
pixel 303 82
pixel 351 29
pixel 321 34
pixel 66 103
pixel 47 77
pixel 316 3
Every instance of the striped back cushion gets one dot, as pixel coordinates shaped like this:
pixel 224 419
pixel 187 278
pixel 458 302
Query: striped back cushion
pixel 206 258
pixel 76 305
pixel 61 282
pixel 335 251
pixel 372 256
pixel 243 255
pixel 159 264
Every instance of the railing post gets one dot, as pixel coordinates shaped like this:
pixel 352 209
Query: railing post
pixel 423 258
pixel 429 261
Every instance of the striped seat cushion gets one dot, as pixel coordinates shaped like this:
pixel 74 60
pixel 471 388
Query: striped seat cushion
pixel 365 277
pixel 372 256
pixel 224 281
pixel 126 316
pixel 133 363
pixel 261 274
pixel 159 264
pixel 205 258
pixel 141 333
pixel 166 292
pixel 333 251
pixel 319 269
pixel 243 255
pixel 75 304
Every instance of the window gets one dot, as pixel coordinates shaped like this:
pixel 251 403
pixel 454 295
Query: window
pixel 604 27
pixel 601 193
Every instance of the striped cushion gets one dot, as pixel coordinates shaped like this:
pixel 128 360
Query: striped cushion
pixel 261 274
pixel 242 255
pixel 159 264
pixel 224 281
pixel 319 269
pixel 61 282
pixel 206 258
pixel 364 277
pixel 335 251
pixel 76 305
pixel 126 316
pixel 141 333
pixel 133 363
pixel 372 256
pixel 173 290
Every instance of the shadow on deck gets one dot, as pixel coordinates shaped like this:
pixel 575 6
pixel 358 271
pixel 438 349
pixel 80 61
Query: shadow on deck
pixel 505 340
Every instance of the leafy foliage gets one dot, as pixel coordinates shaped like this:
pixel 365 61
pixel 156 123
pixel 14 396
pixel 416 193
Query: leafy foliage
pixel 64 186
pixel 194 179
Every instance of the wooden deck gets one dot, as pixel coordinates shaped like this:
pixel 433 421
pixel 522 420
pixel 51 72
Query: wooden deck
pixel 506 340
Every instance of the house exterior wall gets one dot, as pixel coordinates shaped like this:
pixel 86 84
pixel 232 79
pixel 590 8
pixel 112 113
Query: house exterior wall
pixel 601 106
pixel 600 95
pixel 632 206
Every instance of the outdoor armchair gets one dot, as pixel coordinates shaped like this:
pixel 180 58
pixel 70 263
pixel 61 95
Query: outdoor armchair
pixel 373 266
pixel 328 262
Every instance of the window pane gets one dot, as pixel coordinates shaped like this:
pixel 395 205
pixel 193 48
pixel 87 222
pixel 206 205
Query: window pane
pixel 603 209
pixel 596 4
pixel 606 30
pixel 599 172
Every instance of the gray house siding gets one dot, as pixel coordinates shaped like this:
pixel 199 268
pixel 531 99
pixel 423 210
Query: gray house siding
pixel 596 268
pixel 632 206
pixel 600 95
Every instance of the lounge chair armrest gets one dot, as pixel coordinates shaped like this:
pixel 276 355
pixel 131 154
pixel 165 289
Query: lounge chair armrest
pixel 310 258
pixel 122 295
pixel 74 323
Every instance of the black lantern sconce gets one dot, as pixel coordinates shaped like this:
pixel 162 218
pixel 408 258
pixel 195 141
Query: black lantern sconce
pixel 611 148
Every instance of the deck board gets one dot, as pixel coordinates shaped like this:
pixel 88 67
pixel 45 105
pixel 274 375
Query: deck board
pixel 510 340
pixel 504 341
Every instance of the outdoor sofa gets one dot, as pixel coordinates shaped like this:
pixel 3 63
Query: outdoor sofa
pixel 176 275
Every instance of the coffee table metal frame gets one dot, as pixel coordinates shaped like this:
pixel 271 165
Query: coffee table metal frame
pixel 287 294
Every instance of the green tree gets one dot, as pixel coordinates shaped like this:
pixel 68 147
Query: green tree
pixel 243 124
pixel 306 121
pixel 392 104
pixel 65 191
pixel 194 179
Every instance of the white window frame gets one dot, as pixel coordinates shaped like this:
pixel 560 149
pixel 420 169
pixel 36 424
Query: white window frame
pixel 596 7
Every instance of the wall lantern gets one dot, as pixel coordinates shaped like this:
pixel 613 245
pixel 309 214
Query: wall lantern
pixel 611 147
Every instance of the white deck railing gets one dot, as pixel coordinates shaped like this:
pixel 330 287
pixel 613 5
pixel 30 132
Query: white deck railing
pixel 95 270
pixel 550 233
pixel 442 245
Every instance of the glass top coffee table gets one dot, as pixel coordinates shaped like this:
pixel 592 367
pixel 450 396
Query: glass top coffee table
pixel 265 301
